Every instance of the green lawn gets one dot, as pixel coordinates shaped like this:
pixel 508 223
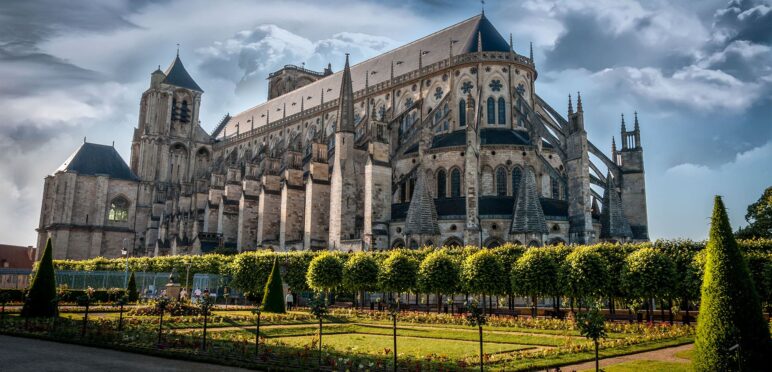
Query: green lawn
pixel 412 346
pixel 686 354
pixel 648 366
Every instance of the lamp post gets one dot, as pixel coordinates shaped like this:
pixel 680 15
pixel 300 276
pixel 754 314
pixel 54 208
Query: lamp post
pixel 125 252
pixel 187 276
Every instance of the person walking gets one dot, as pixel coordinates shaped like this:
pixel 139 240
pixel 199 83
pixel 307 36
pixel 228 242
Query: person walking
pixel 290 300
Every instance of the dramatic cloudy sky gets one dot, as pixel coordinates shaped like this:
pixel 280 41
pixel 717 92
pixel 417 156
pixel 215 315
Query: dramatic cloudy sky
pixel 699 72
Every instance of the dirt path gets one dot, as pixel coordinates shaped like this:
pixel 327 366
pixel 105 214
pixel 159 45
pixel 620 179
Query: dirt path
pixel 663 355
pixel 249 327
pixel 514 333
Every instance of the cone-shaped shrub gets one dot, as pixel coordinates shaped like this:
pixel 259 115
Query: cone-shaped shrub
pixel 131 289
pixel 273 294
pixel 730 309
pixel 42 292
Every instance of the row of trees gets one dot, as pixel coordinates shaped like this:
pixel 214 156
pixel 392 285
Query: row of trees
pixel 667 271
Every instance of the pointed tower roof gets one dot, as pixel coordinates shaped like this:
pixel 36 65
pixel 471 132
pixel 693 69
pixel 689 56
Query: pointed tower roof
pixel 93 159
pixel 487 35
pixel 528 217
pixel 177 75
pixel 346 101
pixel 422 214
pixel 612 219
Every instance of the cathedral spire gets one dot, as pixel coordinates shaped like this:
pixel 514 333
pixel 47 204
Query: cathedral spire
pixel 624 128
pixel 346 101
pixel 511 44
pixel 570 106
pixel 613 146
pixel 531 55
pixel 579 102
pixel 636 128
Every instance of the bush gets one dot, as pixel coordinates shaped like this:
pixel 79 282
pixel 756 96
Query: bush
pixel 173 308
pixel 730 311
pixel 325 272
pixel 250 272
pixel 273 298
pixel 131 289
pixel 41 298
pixel 398 272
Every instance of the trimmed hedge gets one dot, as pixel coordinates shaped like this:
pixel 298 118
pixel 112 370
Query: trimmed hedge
pixel 273 297
pixel 69 295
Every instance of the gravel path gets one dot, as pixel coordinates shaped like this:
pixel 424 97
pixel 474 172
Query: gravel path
pixel 25 354
pixel 663 355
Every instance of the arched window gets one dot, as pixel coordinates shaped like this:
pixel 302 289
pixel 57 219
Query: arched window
pixel 441 183
pixel 501 182
pixel 455 183
pixel 491 110
pixel 462 113
pixel 413 244
pixel 517 175
pixel 502 111
pixel 119 210
pixel 555 188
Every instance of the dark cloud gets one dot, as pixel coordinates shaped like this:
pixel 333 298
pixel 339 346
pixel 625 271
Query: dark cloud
pixel 746 20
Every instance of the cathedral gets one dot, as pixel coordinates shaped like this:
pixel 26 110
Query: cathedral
pixel 442 141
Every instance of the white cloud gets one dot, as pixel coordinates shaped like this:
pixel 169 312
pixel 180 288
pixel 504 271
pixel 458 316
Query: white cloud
pixel 697 87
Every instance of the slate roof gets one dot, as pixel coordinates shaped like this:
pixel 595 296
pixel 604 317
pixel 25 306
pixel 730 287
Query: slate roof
pixel 528 217
pixel 178 76
pixel 405 59
pixel 421 215
pixel 93 159
pixel 488 136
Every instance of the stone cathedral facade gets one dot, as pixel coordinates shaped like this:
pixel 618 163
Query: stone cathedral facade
pixel 443 141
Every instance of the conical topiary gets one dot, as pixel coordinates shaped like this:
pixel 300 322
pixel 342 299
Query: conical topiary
pixel 131 289
pixel 273 294
pixel 730 309
pixel 41 297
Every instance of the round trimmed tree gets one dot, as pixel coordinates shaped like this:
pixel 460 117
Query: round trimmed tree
pixel 360 273
pixel 730 309
pixel 439 273
pixel 585 274
pixel 41 297
pixel 536 274
pixel 482 273
pixel 325 272
pixel 648 274
pixel 398 273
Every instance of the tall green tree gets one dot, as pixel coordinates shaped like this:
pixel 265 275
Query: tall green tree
pixel 730 310
pixel 439 273
pixel 759 217
pixel 41 297
pixel 360 273
pixel 131 289
pixel 273 294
